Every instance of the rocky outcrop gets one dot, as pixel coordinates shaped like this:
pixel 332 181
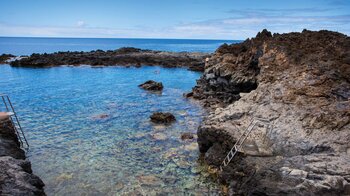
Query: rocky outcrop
pixel 152 85
pixel 5 57
pixel 300 83
pixel 122 56
pixel 16 177
pixel 162 117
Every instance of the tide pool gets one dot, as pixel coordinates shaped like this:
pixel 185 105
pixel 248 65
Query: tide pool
pixel 76 153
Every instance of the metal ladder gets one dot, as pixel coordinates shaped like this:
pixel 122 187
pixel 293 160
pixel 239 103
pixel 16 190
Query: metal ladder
pixel 14 120
pixel 234 150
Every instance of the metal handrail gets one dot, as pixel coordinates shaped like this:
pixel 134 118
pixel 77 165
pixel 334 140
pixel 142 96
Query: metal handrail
pixel 8 104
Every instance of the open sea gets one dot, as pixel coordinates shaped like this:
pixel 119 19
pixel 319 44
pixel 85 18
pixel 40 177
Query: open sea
pixel 28 45
pixel 75 152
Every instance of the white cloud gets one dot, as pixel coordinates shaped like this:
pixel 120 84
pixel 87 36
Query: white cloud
pixel 237 27
pixel 81 23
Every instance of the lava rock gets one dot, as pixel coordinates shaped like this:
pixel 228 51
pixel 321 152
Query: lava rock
pixel 16 176
pixel 5 57
pixel 299 83
pixel 162 117
pixel 187 136
pixel 152 85
pixel 127 56
pixel 188 95
pixel 17 179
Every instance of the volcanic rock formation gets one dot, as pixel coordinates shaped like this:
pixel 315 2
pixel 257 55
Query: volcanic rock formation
pixel 152 85
pixel 16 177
pixel 300 83
pixel 123 56
pixel 162 117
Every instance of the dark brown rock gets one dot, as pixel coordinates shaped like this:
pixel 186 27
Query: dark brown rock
pixel 299 82
pixel 5 57
pixel 16 177
pixel 152 85
pixel 9 144
pixel 188 95
pixel 123 56
pixel 162 117
pixel 187 136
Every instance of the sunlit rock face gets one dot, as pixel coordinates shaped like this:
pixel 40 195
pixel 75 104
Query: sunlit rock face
pixel 300 83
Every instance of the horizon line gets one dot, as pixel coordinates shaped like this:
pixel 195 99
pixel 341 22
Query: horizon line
pixel 120 38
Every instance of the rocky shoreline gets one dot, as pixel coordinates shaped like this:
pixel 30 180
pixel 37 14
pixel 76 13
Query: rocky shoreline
pixel 300 83
pixel 16 176
pixel 124 56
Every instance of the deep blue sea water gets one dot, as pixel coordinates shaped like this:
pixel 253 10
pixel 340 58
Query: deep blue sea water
pixel 76 153
pixel 27 46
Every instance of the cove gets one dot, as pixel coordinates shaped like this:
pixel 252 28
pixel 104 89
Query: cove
pixel 75 153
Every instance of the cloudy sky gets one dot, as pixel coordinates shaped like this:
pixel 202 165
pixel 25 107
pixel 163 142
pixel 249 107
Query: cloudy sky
pixel 200 19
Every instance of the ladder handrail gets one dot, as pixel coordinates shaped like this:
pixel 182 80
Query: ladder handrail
pixel 248 132
pixel 16 119
pixel 244 132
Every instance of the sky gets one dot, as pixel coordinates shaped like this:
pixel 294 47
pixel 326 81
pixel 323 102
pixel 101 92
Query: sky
pixel 191 19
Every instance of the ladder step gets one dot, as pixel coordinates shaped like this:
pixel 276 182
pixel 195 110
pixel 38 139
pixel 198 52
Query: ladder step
pixel 225 163
pixel 231 153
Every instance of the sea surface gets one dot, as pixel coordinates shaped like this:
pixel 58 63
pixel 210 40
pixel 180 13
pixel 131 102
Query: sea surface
pixel 27 45
pixel 76 152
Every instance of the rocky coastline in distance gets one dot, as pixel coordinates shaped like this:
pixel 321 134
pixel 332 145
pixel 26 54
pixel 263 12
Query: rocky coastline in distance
pixel 299 82
pixel 127 56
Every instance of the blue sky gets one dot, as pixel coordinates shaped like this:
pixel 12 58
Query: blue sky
pixel 199 19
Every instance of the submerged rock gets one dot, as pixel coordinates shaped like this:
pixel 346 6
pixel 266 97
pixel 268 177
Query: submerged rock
pixel 159 136
pixel 152 85
pixel 162 117
pixel 187 136
pixel 149 180
pixel 100 117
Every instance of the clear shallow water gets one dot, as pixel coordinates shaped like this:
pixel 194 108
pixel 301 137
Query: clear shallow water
pixel 27 46
pixel 76 154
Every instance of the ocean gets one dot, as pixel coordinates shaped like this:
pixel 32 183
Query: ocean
pixel 76 153
pixel 28 45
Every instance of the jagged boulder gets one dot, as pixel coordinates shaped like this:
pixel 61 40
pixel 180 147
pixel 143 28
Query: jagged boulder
pixel 152 85
pixel 162 117
pixel 16 178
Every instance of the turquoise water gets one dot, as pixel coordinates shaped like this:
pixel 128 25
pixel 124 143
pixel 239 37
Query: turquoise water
pixel 27 46
pixel 76 153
